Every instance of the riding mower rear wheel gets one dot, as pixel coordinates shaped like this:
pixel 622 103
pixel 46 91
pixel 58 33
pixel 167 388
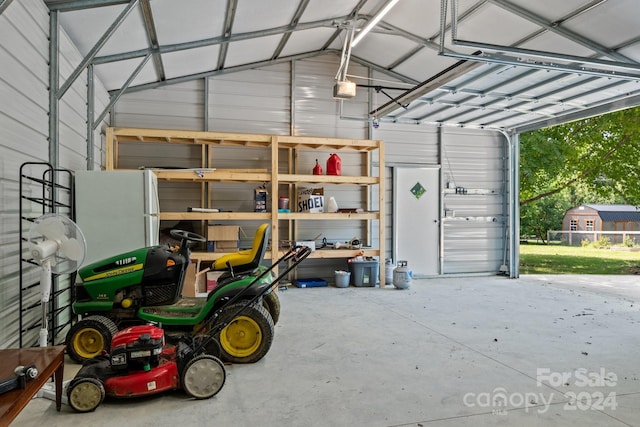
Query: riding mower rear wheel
pixel 89 336
pixel 271 302
pixel 247 337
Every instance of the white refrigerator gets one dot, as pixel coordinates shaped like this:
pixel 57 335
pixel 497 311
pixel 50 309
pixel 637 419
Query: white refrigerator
pixel 117 211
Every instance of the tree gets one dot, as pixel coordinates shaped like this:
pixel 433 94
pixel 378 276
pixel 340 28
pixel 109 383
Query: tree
pixel 595 160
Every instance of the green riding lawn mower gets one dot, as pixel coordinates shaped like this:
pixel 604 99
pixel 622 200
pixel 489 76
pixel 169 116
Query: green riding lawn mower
pixel 144 286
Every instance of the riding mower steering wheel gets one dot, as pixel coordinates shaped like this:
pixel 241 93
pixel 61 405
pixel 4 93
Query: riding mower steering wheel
pixel 186 237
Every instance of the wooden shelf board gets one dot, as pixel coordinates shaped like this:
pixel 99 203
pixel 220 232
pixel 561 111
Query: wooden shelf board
pixel 329 216
pixel 328 179
pixel 318 254
pixel 173 136
pixel 217 216
pixel 203 175
pixel 327 143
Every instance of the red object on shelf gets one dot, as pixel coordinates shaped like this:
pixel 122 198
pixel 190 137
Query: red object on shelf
pixel 317 169
pixel 334 165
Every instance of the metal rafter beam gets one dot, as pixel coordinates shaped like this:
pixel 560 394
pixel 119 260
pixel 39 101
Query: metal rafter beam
pixel 583 111
pixel 616 103
pixel 230 17
pixel 441 78
pixel 489 92
pixel 569 68
pixel 566 102
pixel 216 40
pixel 121 91
pixel 445 92
pixel 294 21
pixel 376 67
pixel 213 73
pixel 265 63
pixel 69 5
pixel 152 36
pixel 4 4
pixel 556 28
pixel 95 49
pixel 350 17
pixel 550 55
pixel 539 98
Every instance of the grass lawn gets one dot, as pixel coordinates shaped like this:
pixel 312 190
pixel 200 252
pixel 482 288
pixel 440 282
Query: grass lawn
pixel 555 259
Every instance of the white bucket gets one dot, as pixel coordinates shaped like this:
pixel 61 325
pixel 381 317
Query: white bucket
pixel 342 278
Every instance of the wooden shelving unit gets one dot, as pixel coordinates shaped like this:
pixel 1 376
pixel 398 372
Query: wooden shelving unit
pixel 291 145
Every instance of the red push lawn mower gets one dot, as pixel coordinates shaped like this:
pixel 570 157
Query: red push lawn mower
pixel 139 363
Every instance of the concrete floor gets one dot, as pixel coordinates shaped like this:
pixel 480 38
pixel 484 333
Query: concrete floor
pixel 481 351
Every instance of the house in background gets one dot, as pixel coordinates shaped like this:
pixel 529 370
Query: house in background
pixel 585 221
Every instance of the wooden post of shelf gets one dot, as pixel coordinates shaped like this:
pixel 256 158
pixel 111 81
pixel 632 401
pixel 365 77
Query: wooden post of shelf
pixel 275 234
pixel 109 153
pixel 368 189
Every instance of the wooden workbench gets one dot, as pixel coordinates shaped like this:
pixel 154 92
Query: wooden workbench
pixel 48 360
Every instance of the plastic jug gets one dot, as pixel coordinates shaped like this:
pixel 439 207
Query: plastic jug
pixel 334 165
pixel 332 206
pixel 317 169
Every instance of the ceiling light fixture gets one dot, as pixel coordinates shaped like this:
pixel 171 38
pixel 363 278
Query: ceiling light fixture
pixel 373 22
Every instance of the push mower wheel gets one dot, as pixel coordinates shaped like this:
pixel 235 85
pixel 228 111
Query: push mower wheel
pixel 271 302
pixel 89 336
pixel 85 394
pixel 247 337
pixel 203 377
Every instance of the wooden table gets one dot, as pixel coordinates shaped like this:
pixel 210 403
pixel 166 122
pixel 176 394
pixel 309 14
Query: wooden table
pixel 48 360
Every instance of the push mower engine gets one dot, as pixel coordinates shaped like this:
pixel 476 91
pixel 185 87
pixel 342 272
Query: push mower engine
pixel 140 364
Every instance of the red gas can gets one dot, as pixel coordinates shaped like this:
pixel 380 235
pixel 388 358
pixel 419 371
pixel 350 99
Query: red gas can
pixel 334 165
pixel 317 169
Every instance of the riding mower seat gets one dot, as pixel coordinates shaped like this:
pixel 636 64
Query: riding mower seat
pixel 245 261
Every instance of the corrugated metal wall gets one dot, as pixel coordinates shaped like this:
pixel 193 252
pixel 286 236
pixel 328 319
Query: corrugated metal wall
pixel 24 105
pixel 475 220
pixel 263 101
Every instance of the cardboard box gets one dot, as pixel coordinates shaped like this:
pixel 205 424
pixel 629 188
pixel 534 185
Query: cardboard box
pixel 195 281
pixel 311 200
pixel 212 279
pixel 225 246
pixel 223 232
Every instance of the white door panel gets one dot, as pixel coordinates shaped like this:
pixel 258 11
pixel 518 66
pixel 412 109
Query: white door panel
pixel 416 217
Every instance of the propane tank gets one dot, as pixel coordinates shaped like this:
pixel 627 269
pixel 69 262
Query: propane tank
pixel 317 169
pixel 402 276
pixel 388 270
pixel 334 165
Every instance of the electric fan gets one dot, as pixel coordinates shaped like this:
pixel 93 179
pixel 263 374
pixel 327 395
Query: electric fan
pixel 58 245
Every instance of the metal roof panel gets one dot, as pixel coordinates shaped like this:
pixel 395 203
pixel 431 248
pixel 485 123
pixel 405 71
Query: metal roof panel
pixel 524 64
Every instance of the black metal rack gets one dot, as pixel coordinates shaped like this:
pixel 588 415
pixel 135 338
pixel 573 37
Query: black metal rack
pixel 43 190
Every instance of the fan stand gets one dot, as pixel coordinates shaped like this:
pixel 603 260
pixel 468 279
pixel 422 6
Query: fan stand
pixel 45 289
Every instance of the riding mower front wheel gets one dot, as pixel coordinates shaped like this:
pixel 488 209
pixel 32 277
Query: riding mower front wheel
pixel 88 337
pixel 247 337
